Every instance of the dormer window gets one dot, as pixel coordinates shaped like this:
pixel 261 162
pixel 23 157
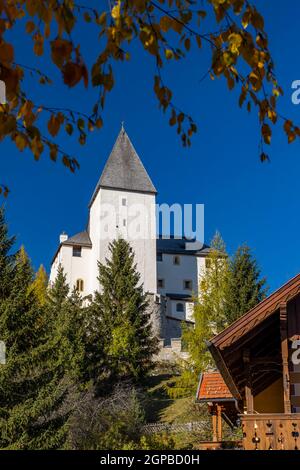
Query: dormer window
pixel 77 251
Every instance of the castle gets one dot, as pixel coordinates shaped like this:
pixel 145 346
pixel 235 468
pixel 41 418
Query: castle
pixel 169 269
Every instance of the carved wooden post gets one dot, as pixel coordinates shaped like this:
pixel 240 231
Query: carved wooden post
pixel 285 358
pixel 248 386
pixel 219 417
pixel 214 423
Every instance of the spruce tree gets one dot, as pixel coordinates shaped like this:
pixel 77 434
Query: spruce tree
pixel 36 381
pixel 245 288
pixel 125 338
pixel 61 360
pixel 7 259
pixel 22 328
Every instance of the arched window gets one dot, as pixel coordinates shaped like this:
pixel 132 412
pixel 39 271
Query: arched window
pixel 80 285
pixel 179 307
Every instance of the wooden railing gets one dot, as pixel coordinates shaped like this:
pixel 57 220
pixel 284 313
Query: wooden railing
pixel 271 431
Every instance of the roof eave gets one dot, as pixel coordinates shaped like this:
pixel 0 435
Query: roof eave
pixel 100 186
pixel 221 365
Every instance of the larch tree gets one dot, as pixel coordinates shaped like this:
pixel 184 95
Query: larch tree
pixel 124 337
pixel 40 284
pixel 167 30
pixel 209 316
pixel 246 288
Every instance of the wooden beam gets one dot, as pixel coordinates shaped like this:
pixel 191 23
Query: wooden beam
pixel 248 385
pixel 285 358
pixel 265 360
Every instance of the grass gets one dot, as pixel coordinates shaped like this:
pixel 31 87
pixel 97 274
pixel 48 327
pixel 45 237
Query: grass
pixel 160 408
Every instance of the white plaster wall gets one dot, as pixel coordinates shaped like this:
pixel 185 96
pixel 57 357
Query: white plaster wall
pixel 74 267
pixel 187 313
pixel 173 310
pixel 104 227
pixel 94 222
pixel 174 275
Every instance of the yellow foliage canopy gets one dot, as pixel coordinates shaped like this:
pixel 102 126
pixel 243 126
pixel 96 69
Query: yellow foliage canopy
pixel 166 29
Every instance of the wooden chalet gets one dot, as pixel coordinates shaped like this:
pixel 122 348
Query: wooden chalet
pixel 254 356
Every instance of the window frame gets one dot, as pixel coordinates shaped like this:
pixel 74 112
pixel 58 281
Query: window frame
pixel 79 250
pixel 175 259
pixel 181 305
pixel 187 281
pixel 80 285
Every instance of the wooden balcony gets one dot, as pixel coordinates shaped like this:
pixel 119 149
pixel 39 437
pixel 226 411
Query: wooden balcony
pixel 271 431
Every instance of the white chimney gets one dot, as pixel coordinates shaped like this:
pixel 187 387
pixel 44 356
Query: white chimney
pixel 63 237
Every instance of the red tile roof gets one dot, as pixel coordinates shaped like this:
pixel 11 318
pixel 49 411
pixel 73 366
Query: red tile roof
pixel 212 387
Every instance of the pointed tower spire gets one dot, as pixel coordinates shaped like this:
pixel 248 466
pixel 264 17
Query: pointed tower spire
pixel 124 169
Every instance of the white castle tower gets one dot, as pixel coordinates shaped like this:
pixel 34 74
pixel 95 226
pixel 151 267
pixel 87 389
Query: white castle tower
pixel 123 205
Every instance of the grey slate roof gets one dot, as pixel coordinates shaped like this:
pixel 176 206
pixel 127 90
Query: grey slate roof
pixel 81 238
pixel 178 246
pixel 124 169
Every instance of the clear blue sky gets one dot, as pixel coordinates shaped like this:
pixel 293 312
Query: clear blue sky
pixel 248 202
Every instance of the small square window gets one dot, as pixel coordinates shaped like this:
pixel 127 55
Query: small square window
pixel 159 257
pixel 176 260
pixel 77 251
pixel 160 283
pixel 124 202
pixel 188 284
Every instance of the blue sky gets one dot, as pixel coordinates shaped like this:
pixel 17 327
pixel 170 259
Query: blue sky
pixel 248 202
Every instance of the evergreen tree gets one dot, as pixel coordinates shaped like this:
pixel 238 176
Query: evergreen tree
pixel 66 314
pixel 6 258
pixel 123 335
pixel 34 383
pixel 245 287
pixel 22 330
